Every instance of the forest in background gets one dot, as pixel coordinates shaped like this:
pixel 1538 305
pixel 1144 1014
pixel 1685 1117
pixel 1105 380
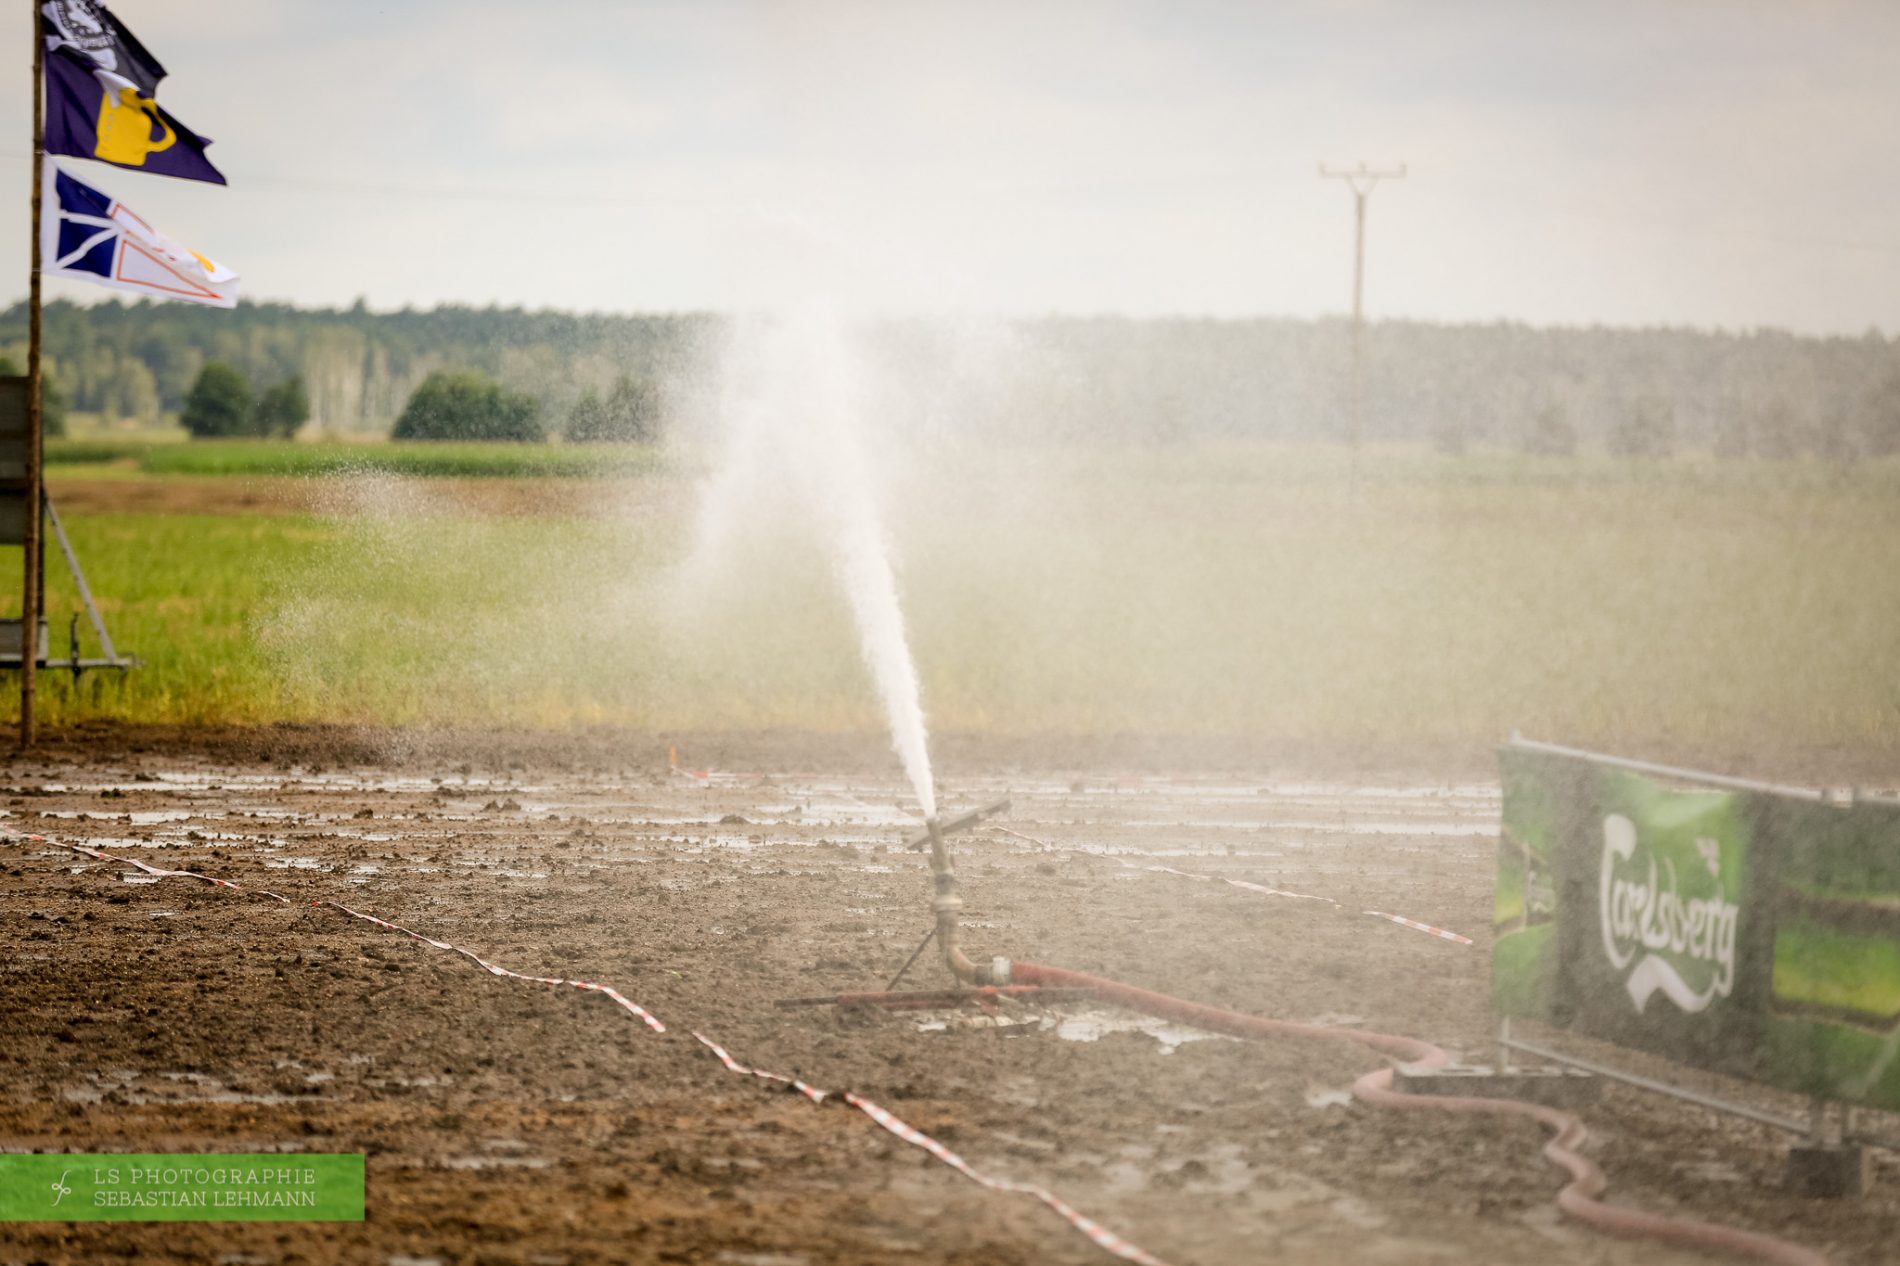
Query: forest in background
pixel 1765 393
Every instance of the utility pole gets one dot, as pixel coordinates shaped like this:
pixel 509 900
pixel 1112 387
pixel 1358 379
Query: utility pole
pixel 1361 180
pixel 31 589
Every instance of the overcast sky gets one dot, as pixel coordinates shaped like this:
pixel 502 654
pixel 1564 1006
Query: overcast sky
pixel 1715 163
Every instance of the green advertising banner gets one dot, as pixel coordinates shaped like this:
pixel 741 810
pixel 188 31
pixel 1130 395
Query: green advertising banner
pixel 117 1187
pixel 1749 932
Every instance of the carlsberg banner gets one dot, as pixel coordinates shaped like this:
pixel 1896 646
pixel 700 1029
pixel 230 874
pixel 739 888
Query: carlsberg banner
pixel 1749 932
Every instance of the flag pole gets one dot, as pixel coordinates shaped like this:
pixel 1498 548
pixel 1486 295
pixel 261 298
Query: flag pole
pixel 30 570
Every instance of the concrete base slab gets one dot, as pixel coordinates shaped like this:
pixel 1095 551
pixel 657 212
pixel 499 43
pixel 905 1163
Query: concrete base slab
pixel 1552 1087
pixel 1828 1173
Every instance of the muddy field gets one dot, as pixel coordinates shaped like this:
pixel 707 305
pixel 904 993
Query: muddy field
pixel 508 1122
pixel 77 494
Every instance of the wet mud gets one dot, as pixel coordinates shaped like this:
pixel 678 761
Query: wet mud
pixel 507 1122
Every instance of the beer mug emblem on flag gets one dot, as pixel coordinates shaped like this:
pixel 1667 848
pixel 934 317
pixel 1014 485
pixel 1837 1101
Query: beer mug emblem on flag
pixel 131 128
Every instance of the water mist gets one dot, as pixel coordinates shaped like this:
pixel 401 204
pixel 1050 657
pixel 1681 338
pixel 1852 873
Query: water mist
pixel 791 417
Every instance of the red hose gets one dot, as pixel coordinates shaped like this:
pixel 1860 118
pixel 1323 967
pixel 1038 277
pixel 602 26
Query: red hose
pixel 1579 1197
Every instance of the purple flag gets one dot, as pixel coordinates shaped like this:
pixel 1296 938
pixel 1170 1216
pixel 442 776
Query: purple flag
pixel 99 102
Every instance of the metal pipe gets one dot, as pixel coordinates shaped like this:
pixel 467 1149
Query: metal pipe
pixel 929 998
pixel 79 581
pixel 1789 1124
pixel 1667 771
pixel 947 905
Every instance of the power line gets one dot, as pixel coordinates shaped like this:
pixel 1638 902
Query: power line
pixel 1671 229
pixel 282 184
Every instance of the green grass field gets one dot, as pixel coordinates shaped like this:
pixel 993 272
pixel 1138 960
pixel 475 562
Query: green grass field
pixel 420 459
pixel 1244 591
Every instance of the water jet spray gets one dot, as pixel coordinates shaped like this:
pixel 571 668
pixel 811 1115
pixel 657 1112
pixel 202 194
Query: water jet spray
pixel 797 413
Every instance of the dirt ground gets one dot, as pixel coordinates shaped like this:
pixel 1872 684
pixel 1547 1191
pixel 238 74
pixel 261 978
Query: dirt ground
pixel 507 1122
pixel 293 494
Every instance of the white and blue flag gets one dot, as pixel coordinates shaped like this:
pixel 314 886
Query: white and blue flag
pixel 94 237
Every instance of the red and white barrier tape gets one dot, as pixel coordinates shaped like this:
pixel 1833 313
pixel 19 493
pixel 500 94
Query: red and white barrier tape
pixel 1027 839
pixel 158 872
pixel 1280 892
pixel 1416 926
pixel 719 777
pixel 1101 1236
pixel 619 999
pixel 732 1065
pixel 1238 883
pixel 1399 919
pixel 1097 1234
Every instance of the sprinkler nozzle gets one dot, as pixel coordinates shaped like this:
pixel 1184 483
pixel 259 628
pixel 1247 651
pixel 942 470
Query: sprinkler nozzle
pixel 933 827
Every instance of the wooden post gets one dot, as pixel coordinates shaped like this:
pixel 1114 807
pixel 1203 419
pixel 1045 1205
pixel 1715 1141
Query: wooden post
pixel 30 569
pixel 1361 181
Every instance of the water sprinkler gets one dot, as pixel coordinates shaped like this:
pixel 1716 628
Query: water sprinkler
pixel 947 906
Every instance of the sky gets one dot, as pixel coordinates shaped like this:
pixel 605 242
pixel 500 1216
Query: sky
pixel 1706 163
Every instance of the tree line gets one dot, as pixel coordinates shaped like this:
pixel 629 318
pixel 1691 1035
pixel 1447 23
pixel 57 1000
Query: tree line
pixel 140 362
pixel 511 373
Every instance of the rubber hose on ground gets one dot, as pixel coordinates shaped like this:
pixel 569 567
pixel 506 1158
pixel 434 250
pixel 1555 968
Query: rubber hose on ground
pixel 1579 1197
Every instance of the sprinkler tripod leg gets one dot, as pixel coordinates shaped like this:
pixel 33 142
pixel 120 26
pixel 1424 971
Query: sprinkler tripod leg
pixel 915 954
